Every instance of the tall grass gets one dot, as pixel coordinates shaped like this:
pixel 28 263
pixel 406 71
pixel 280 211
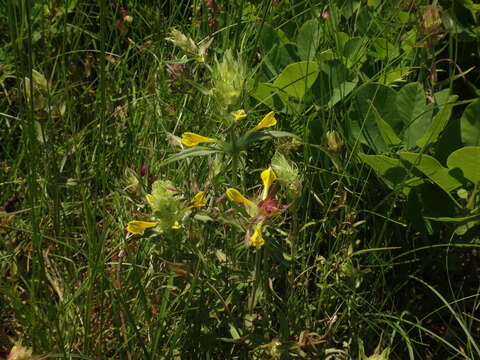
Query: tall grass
pixel 89 119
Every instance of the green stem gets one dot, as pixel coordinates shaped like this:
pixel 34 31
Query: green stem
pixel 471 201
pixel 235 154
pixel 252 301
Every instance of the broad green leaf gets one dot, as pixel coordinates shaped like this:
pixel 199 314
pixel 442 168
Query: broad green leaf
pixel 396 75
pixel 333 84
pixel 432 169
pixel 355 51
pixel 268 38
pixel 450 141
pixel 438 123
pixel 326 55
pixel 348 8
pixel 308 39
pixel 283 37
pixel 280 57
pixel 283 56
pixel 384 50
pixel 470 124
pixel 341 39
pixel 362 117
pixel 388 168
pixel 388 135
pixel 341 91
pixel 297 78
pixel 414 112
pixel 337 72
pixel 427 200
pixel 466 159
pixel 266 94
pixel 441 97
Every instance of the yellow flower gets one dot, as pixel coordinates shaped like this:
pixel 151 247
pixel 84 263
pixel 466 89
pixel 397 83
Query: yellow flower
pixel 257 239
pixel 268 177
pixel 192 139
pixel 138 227
pixel 258 210
pixel 18 352
pixel 151 201
pixel 268 121
pixel 236 196
pixel 176 225
pixel 239 114
pixel 198 200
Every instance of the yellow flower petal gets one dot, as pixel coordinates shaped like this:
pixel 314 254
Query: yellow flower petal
pixel 267 121
pixel 198 200
pixel 236 196
pixel 239 114
pixel 176 225
pixel 192 139
pixel 150 198
pixel 257 239
pixel 268 177
pixel 138 227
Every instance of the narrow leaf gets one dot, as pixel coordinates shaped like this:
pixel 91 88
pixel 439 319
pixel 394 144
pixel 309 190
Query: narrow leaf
pixel 191 152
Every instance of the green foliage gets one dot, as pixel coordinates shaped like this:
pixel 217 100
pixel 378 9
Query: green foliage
pixel 372 133
pixel 467 160
pixel 470 124
pixel 401 170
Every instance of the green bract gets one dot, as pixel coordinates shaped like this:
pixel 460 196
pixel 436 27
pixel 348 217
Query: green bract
pixel 167 208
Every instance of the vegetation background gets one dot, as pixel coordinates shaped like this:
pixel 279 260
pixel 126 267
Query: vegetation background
pixel 373 252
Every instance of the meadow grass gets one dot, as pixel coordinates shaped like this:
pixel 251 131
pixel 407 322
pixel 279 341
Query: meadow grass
pixel 92 117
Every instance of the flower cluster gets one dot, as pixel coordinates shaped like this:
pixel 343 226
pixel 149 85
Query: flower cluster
pixel 228 78
pixel 182 41
pixel 259 211
pixel 168 210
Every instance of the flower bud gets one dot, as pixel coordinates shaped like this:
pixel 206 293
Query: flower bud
pixel 431 20
pixel 183 42
pixel 335 143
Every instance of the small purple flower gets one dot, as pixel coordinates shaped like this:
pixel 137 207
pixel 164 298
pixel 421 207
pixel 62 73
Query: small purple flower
pixel 213 10
pixel 143 170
